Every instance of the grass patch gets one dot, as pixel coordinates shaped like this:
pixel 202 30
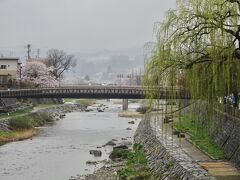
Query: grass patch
pixel 17 113
pixel 29 121
pixel 136 167
pixel 86 102
pixel 23 127
pixel 200 136
pixel 21 123
pixel 47 105
pixel 9 136
pixel 6 135
pixel 69 100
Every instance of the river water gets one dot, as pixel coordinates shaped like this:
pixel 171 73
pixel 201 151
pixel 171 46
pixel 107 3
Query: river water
pixel 61 150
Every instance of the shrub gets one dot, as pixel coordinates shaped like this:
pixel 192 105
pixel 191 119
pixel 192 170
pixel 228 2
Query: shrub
pixel 142 109
pixel 20 123
pixel 46 117
pixel 135 158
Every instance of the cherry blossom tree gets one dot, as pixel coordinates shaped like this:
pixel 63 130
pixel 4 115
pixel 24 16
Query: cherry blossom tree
pixel 38 74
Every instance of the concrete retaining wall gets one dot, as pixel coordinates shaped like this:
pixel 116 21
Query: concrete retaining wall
pixel 166 159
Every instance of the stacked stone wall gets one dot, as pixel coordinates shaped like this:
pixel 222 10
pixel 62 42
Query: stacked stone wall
pixel 166 159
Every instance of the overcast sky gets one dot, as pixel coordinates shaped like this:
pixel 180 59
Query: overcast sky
pixel 79 25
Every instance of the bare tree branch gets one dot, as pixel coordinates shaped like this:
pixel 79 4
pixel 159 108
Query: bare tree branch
pixel 59 61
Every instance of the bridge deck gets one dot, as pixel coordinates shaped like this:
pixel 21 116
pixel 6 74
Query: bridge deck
pixel 96 92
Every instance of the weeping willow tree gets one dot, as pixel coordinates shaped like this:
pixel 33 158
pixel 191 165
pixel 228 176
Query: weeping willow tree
pixel 198 49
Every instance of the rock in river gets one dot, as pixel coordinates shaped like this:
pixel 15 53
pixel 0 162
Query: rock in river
pixel 91 163
pixel 120 147
pixel 125 143
pixel 110 143
pixel 96 153
pixel 131 122
pixel 62 116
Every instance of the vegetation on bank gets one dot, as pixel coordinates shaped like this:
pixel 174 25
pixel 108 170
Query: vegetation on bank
pixel 129 114
pixel 9 136
pixel 136 166
pixel 17 113
pixel 29 121
pixel 199 136
pixel 86 102
pixel 23 126
pixel 47 105
pixel 142 109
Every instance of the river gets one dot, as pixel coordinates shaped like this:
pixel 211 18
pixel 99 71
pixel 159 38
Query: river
pixel 61 150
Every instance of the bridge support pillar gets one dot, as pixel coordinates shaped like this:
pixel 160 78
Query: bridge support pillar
pixel 125 105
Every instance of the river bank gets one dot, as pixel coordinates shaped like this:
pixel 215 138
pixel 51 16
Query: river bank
pixel 164 156
pixel 126 163
pixel 62 150
pixel 23 125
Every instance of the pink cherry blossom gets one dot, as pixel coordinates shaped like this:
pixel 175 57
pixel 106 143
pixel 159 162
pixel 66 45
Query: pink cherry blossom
pixel 38 74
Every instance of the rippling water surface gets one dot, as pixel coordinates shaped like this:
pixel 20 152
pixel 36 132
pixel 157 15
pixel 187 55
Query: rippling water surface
pixel 61 150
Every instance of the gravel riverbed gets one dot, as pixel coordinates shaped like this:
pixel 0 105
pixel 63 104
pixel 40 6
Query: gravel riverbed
pixel 107 172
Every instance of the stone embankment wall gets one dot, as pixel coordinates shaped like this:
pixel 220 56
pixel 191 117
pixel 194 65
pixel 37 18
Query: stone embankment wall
pixel 59 110
pixel 225 126
pixel 13 104
pixel 56 112
pixel 45 100
pixel 166 159
pixel 9 104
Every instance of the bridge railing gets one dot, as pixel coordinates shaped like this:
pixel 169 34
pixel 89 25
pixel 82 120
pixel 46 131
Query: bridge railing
pixel 109 91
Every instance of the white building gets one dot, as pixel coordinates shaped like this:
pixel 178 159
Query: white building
pixel 9 68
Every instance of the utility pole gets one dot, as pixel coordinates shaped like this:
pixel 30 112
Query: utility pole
pixel 28 51
pixel 20 75
pixel 38 53
pixel 120 76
